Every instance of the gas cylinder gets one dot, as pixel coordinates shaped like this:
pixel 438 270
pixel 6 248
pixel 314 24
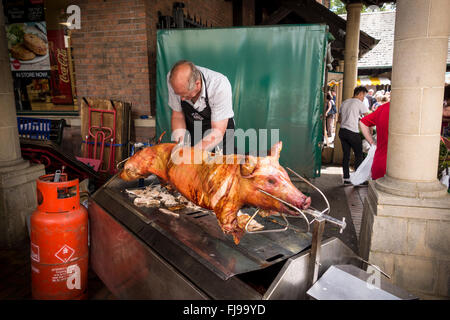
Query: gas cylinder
pixel 59 240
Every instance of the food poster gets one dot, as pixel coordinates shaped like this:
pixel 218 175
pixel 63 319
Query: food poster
pixel 28 46
pixel 39 74
pixel 26 32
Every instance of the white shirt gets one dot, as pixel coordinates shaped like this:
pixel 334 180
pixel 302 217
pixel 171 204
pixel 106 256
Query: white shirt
pixel 366 102
pixel 219 95
pixel 350 111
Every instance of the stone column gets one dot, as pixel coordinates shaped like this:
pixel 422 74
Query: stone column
pixel 351 48
pixel 418 73
pixel 17 177
pixel 406 218
pixel 352 32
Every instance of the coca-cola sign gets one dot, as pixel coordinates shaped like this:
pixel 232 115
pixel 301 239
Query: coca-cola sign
pixel 63 65
pixel 60 83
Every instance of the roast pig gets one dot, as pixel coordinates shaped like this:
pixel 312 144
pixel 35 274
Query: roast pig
pixel 222 183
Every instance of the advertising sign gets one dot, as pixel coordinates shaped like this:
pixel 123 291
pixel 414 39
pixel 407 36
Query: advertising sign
pixel 28 47
pixel 60 72
pixel 27 38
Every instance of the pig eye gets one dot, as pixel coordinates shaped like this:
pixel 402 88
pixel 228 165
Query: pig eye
pixel 271 181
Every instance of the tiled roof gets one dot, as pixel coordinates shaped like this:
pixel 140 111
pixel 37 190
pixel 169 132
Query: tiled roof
pixel 380 25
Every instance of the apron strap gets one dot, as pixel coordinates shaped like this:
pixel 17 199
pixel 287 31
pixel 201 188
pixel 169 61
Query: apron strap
pixel 191 115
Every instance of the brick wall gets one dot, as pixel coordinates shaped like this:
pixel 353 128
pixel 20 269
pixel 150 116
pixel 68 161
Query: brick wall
pixel 115 49
pixel 110 52
pixel 219 13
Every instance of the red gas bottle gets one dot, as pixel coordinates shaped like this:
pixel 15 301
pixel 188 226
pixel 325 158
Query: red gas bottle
pixel 59 241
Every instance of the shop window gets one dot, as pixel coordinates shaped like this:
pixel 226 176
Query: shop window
pixel 41 56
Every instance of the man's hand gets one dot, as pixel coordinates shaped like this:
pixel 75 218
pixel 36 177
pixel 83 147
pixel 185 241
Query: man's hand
pixel 178 126
pixel 366 133
pixel 215 136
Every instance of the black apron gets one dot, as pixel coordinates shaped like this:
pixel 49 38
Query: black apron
pixel 204 117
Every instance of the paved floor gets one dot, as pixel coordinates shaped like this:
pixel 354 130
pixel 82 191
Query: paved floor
pixel 345 201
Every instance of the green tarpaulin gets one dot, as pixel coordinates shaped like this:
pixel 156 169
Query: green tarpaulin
pixel 277 76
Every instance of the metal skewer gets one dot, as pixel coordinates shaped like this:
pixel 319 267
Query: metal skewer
pixel 286 203
pixel 317 189
pixel 265 231
pixel 318 215
pixel 320 218
pixel 117 165
pixel 321 214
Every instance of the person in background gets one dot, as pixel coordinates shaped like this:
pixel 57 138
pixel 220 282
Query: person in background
pixel 377 103
pixel 329 114
pixel 350 111
pixel 366 102
pixel 380 119
pixel 446 113
pixel 370 98
pixel 333 94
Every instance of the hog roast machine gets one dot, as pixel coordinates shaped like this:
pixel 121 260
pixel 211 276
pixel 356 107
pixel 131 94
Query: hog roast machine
pixel 148 253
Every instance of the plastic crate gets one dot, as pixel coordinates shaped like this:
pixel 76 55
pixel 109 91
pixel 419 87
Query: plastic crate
pixel 41 129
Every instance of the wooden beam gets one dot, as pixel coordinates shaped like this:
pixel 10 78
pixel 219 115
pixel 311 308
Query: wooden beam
pixel 277 16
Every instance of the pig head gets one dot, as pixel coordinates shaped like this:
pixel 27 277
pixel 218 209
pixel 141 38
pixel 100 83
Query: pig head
pixel 151 160
pixel 265 173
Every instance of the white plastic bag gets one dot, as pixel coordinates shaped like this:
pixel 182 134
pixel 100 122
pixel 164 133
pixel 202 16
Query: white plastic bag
pixel 445 180
pixel 366 144
pixel 364 171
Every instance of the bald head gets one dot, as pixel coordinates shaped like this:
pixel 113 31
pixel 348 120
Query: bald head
pixel 183 76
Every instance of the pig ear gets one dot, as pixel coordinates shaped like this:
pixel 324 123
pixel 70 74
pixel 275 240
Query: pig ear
pixel 249 166
pixel 276 149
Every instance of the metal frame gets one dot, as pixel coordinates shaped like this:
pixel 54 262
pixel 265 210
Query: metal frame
pixel 320 218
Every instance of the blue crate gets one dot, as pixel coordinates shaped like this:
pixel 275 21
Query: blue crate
pixel 34 128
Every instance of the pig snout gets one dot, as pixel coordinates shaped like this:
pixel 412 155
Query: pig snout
pixel 304 203
pixel 124 175
pixel 129 172
pixel 307 203
pixel 289 194
pixel 300 201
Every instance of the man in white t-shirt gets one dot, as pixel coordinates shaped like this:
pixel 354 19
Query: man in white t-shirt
pixel 201 98
pixel 349 114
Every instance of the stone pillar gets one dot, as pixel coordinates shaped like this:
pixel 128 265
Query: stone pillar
pixel 418 73
pixel 340 66
pixel 350 65
pixel 17 177
pixel 406 216
pixel 351 48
